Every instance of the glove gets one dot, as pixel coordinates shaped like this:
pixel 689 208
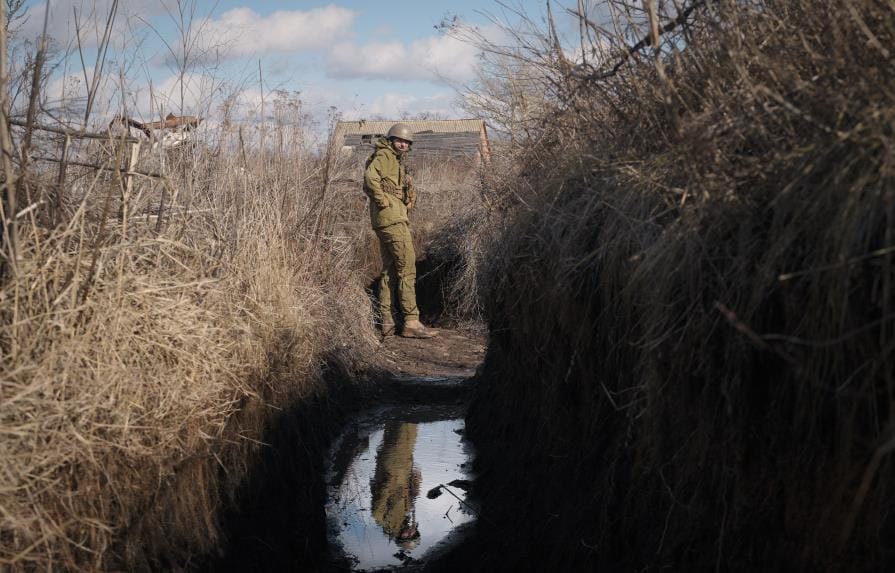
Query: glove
pixel 389 188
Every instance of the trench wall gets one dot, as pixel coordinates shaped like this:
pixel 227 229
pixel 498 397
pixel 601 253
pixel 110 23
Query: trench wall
pixel 628 418
pixel 691 340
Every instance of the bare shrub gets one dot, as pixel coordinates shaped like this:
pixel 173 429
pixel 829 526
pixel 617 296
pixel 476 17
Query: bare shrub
pixel 148 334
pixel 691 309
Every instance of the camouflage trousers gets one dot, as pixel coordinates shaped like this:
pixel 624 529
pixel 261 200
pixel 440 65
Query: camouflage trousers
pixel 398 278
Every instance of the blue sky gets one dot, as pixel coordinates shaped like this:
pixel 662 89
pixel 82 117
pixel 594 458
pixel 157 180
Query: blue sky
pixel 364 59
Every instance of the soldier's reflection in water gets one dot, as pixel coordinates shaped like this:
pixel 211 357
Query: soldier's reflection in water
pixel 396 484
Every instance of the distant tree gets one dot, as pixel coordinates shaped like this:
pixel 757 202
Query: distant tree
pixel 16 15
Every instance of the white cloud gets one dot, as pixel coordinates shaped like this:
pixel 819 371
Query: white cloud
pixel 189 94
pixel 437 58
pixel 348 60
pixel 85 17
pixel 446 57
pixel 66 96
pixel 203 95
pixel 394 105
pixel 242 31
pixel 64 89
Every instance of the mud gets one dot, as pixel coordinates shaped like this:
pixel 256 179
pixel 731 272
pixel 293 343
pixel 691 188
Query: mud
pixel 278 519
pixel 398 481
pixel 453 354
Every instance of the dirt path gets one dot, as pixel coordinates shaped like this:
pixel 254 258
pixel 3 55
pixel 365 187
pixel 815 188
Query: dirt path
pixel 415 383
pixel 453 354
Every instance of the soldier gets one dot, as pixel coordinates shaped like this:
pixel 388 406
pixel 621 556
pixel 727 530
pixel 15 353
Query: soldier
pixel 396 485
pixel 391 196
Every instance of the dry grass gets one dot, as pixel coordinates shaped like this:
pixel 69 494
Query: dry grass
pixel 691 310
pixel 449 208
pixel 141 359
pixel 465 230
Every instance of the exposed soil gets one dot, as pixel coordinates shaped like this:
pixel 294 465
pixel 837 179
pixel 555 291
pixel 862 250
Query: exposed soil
pixel 452 354
pixel 278 524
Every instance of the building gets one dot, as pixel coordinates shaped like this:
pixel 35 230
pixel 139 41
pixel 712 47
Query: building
pixel 436 139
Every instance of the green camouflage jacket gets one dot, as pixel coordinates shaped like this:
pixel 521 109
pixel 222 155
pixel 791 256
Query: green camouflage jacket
pixel 388 186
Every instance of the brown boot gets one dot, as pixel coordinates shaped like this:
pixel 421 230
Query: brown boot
pixel 387 328
pixel 415 329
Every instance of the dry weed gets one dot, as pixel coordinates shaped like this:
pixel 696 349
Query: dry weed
pixel 691 309
pixel 145 342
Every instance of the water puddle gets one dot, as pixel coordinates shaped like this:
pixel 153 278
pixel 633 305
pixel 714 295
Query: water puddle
pixel 397 486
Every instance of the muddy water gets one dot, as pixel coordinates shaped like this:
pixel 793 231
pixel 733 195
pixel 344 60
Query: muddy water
pixel 397 481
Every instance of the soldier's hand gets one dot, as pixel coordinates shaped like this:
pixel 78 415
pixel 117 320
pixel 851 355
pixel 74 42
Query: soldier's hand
pixel 389 188
pixel 410 194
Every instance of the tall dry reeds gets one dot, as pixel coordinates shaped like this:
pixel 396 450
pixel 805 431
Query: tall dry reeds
pixel 149 334
pixel 444 227
pixel 691 309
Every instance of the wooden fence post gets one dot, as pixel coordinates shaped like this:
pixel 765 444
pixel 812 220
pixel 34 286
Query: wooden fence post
pixel 484 146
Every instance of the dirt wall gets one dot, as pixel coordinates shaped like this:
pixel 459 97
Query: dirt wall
pixel 691 348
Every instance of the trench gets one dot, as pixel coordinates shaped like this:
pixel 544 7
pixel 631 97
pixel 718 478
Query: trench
pixel 374 471
pixel 371 475
pixel 397 486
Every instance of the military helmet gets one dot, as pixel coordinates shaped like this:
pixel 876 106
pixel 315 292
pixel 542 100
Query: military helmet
pixel 401 131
